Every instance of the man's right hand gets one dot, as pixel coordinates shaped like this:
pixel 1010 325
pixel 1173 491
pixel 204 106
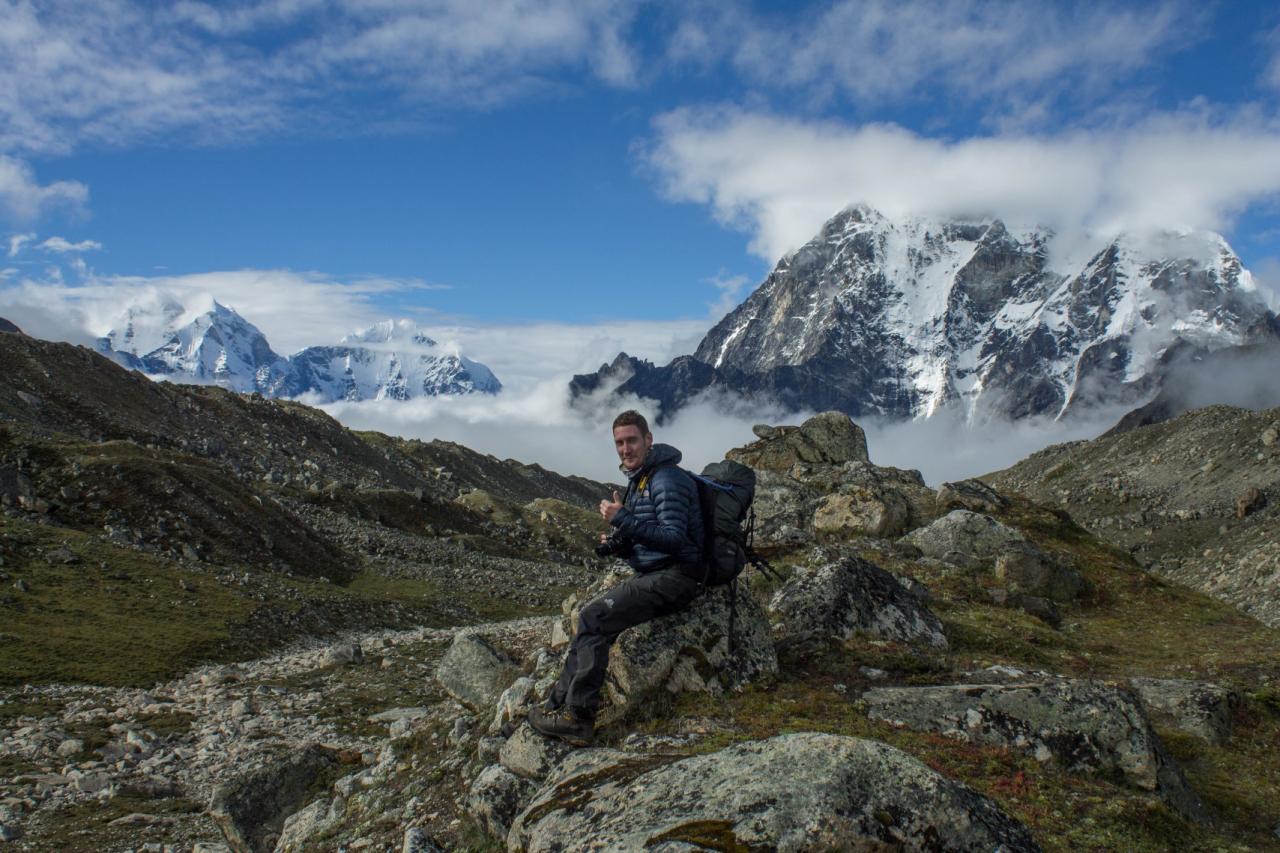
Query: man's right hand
pixel 610 508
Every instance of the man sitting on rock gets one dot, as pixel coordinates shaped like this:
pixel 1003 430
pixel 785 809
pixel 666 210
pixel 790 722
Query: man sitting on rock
pixel 658 529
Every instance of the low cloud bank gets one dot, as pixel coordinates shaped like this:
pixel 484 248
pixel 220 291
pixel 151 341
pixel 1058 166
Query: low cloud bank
pixel 540 425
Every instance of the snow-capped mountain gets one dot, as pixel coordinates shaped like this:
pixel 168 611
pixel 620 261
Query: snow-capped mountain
pixel 391 360
pixel 217 347
pixel 903 317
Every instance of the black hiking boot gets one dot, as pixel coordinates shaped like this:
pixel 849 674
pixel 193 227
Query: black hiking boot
pixel 575 726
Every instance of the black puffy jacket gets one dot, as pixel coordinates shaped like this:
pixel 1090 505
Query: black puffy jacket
pixel 660 514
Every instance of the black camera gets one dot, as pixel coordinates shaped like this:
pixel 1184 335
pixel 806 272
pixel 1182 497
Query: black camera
pixel 613 546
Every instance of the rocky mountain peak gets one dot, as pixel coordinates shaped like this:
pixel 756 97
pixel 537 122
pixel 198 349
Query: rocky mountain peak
pixel 388 331
pixel 393 359
pixel 902 317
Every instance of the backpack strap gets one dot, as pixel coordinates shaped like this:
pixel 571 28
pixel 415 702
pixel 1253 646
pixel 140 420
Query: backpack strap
pixel 733 613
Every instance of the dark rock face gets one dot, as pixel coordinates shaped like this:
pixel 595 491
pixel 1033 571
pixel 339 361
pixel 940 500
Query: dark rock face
pixel 1204 710
pixel 6 326
pixel 829 438
pixel 977 537
pixel 900 317
pixel 1083 725
pixel 251 809
pixel 837 599
pixel 495 798
pixel 973 495
pixel 789 793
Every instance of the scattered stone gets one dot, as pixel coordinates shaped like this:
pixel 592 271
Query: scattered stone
pixel 513 704
pixel 835 600
pixel 863 511
pixel 973 495
pixel 1041 608
pixel 961 531
pixel 1036 574
pixel 488 749
pixel 21 586
pixel 495 799
pixel 1250 502
pixel 150 789
pixel 9 833
pixel 461 728
pixel 92 783
pixel 1204 710
pixel 416 840
pixel 343 654
pixel 62 556
pixel 70 747
pixel 391 715
pixel 303 826
pixel 1270 436
pixel 140 819
pixel 475 673
pixel 793 792
pixel 251 808
pixel 1085 725
pixel 527 753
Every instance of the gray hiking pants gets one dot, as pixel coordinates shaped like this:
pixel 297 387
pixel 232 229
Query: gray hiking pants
pixel 633 602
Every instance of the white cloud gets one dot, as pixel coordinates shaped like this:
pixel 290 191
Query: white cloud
pixel 23 198
pixel 526 355
pixel 17 241
pixel 120 71
pixel 62 246
pixel 293 309
pixel 123 71
pixel 780 178
pixel 873 51
pixel 1271 75
pixel 730 288
pixel 296 309
pixel 538 424
pixel 1266 274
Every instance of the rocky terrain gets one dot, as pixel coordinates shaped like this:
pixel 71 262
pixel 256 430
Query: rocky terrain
pixel 1195 498
pixel 360 638
pixel 907 317
pixel 263 520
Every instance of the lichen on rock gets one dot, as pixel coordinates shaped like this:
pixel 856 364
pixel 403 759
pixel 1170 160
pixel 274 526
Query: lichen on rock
pixel 794 792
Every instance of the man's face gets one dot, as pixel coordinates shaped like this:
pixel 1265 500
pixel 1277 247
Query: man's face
pixel 632 445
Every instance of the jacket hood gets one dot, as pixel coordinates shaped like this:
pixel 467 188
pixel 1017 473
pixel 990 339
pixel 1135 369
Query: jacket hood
pixel 661 454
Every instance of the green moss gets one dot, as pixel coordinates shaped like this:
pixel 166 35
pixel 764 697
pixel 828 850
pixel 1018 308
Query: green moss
pixel 86 826
pixel 706 835
pixel 37 706
pixel 130 624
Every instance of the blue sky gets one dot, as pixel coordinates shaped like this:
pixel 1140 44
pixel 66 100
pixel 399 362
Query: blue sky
pixel 589 163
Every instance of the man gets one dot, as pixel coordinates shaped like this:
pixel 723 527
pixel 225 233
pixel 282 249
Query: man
pixel 658 528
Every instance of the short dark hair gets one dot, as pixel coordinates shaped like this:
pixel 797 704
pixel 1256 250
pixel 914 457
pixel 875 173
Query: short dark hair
pixel 632 418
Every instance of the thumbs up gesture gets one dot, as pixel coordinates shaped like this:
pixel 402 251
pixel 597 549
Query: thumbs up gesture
pixel 609 508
